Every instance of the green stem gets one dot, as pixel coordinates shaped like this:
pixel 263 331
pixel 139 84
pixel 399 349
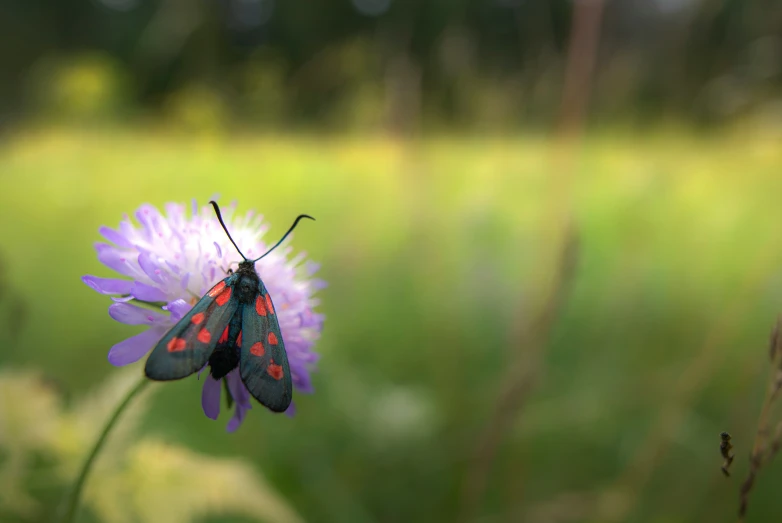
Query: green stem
pixel 71 504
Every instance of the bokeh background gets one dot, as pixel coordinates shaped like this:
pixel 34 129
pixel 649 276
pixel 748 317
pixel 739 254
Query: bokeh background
pixel 551 232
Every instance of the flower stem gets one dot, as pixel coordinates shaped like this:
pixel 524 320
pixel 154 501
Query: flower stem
pixel 70 505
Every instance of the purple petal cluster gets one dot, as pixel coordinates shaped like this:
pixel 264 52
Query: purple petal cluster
pixel 171 260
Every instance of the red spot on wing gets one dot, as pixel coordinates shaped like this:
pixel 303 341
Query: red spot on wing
pixel 239 340
pixel 223 297
pixel 257 349
pixel 197 319
pixel 176 345
pixel 204 336
pixel 223 336
pixel 269 304
pixel 260 308
pixel 217 289
pixel 275 371
pixel 272 338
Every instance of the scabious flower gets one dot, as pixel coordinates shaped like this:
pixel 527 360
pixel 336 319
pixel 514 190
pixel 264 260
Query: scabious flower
pixel 172 260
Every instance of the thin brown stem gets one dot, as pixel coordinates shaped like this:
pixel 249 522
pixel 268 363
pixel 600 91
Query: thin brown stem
pixel 633 479
pixel 581 60
pixel 528 345
pixel 776 443
pixel 762 454
pixel 531 340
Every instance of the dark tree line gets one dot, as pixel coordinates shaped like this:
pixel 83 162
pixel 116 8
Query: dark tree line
pixel 693 58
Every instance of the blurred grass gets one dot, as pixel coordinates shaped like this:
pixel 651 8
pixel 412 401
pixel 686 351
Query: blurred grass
pixel 429 247
pixel 135 479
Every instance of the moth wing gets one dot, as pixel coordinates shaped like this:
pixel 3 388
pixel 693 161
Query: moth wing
pixel 186 348
pixel 263 362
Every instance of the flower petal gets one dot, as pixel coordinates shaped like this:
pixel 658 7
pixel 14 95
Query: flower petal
pixel 291 410
pixel 174 268
pixel 144 292
pixel 126 228
pixel 185 280
pixel 239 392
pixel 148 216
pixel 175 213
pixel 210 397
pixel 237 419
pixel 115 237
pixel 241 399
pixel 301 377
pixel 178 309
pixel 311 267
pixel 311 319
pixel 113 258
pixel 108 285
pixel 133 349
pixel 134 315
pixel 150 267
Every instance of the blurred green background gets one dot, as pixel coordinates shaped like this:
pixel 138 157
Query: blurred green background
pixel 443 147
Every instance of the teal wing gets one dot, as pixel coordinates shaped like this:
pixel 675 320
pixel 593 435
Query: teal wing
pixel 263 362
pixel 186 348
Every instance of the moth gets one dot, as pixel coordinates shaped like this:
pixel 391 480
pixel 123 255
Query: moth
pixel 233 325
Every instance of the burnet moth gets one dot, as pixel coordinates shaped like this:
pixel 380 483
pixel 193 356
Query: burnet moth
pixel 234 324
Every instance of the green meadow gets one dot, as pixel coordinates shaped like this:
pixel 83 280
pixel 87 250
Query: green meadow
pixel 437 252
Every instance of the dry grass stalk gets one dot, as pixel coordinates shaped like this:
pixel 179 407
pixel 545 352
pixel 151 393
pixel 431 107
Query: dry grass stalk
pixel 532 338
pixel 763 451
pixel 704 363
pixel 725 448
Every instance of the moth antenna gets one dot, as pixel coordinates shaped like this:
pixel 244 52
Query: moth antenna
pixel 220 219
pixel 295 222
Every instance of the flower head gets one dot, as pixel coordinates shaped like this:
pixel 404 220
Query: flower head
pixel 172 260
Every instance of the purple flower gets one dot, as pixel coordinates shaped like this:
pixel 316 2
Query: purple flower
pixel 173 260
